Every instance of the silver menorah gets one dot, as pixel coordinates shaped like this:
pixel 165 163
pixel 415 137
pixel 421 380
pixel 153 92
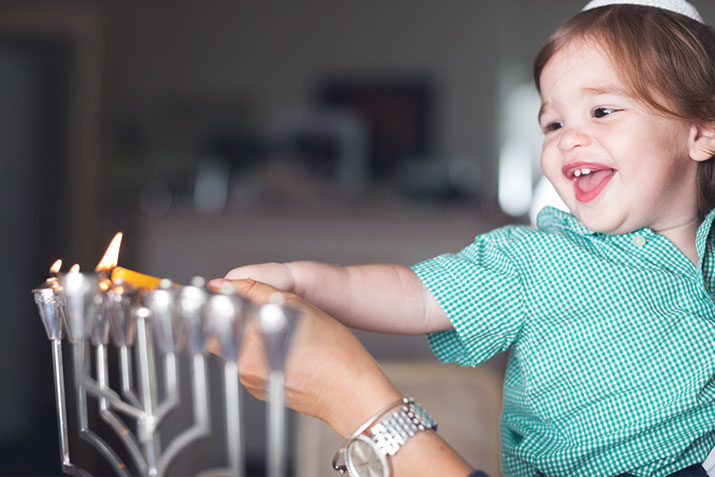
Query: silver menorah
pixel 146 327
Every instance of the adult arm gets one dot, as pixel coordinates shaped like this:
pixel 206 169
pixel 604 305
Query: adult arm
pixel 330 375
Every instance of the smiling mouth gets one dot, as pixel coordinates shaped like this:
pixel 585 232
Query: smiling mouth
pixel 589 180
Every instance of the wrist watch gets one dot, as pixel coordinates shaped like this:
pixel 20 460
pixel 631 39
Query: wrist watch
pixel 365 451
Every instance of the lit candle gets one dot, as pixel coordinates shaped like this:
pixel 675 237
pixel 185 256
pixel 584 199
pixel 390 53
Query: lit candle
pixel 108 266
pixel 54 270
pixel 46 299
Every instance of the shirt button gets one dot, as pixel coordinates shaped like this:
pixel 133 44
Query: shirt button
pixel 638 240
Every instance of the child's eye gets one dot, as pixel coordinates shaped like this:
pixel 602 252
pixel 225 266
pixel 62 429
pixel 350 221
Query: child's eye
pixel 603 111
pixel 553 126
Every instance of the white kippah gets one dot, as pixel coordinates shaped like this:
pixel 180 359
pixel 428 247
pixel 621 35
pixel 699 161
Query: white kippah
pixel 677 6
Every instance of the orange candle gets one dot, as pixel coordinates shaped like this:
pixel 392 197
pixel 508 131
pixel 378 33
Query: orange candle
pixel 136 279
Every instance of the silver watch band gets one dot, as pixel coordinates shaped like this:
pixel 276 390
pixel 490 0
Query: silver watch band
pixel 392 431
pixel 389 433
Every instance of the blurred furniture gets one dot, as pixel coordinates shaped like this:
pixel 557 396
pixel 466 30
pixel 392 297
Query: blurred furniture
pixel 398 112
pixel 465 402
pixel 329 143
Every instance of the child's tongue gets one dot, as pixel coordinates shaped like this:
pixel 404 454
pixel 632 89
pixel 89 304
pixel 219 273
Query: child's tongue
pixel 589 182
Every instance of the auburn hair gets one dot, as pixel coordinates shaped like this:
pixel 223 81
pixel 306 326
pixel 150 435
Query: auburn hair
pixel 666 58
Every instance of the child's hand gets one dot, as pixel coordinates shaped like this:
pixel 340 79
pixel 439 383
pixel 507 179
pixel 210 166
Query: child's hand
pixel 277 275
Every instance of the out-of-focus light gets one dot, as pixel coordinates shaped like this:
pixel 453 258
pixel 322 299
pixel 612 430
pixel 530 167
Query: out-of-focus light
pixel 520 140
pixel 515 171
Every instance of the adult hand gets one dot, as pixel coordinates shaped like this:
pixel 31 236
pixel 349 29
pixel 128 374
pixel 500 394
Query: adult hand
pixel 329 374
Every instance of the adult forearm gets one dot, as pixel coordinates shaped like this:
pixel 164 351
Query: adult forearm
pixel 428 454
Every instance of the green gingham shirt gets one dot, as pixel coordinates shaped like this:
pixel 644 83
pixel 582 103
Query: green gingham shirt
pixel 611 337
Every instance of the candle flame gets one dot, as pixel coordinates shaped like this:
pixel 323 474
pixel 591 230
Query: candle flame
pixel 111 256
pixel 55 268
pixel 75 268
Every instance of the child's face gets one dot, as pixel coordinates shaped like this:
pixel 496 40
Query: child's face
pixel 616 164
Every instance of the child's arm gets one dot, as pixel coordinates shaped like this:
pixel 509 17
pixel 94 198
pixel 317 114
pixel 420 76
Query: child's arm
pixel 383 298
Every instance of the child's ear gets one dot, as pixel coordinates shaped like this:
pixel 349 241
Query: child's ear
pixel 702 142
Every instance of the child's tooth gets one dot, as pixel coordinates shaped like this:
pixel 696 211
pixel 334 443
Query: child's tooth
pixel 585 170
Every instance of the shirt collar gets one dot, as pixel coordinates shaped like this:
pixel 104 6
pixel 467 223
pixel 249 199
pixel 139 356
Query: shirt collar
pixel 551 219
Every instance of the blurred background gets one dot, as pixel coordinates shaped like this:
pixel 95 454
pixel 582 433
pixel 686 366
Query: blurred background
pixel 226 132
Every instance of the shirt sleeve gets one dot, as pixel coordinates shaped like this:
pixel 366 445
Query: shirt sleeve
pixel 481 291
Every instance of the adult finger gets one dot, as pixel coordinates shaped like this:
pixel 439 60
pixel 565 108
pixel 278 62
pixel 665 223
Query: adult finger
pixel 257 292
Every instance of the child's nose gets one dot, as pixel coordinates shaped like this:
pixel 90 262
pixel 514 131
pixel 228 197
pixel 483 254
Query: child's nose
pixel 573 137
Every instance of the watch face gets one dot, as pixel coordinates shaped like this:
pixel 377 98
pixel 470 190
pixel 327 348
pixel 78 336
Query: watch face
pixel 364 459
